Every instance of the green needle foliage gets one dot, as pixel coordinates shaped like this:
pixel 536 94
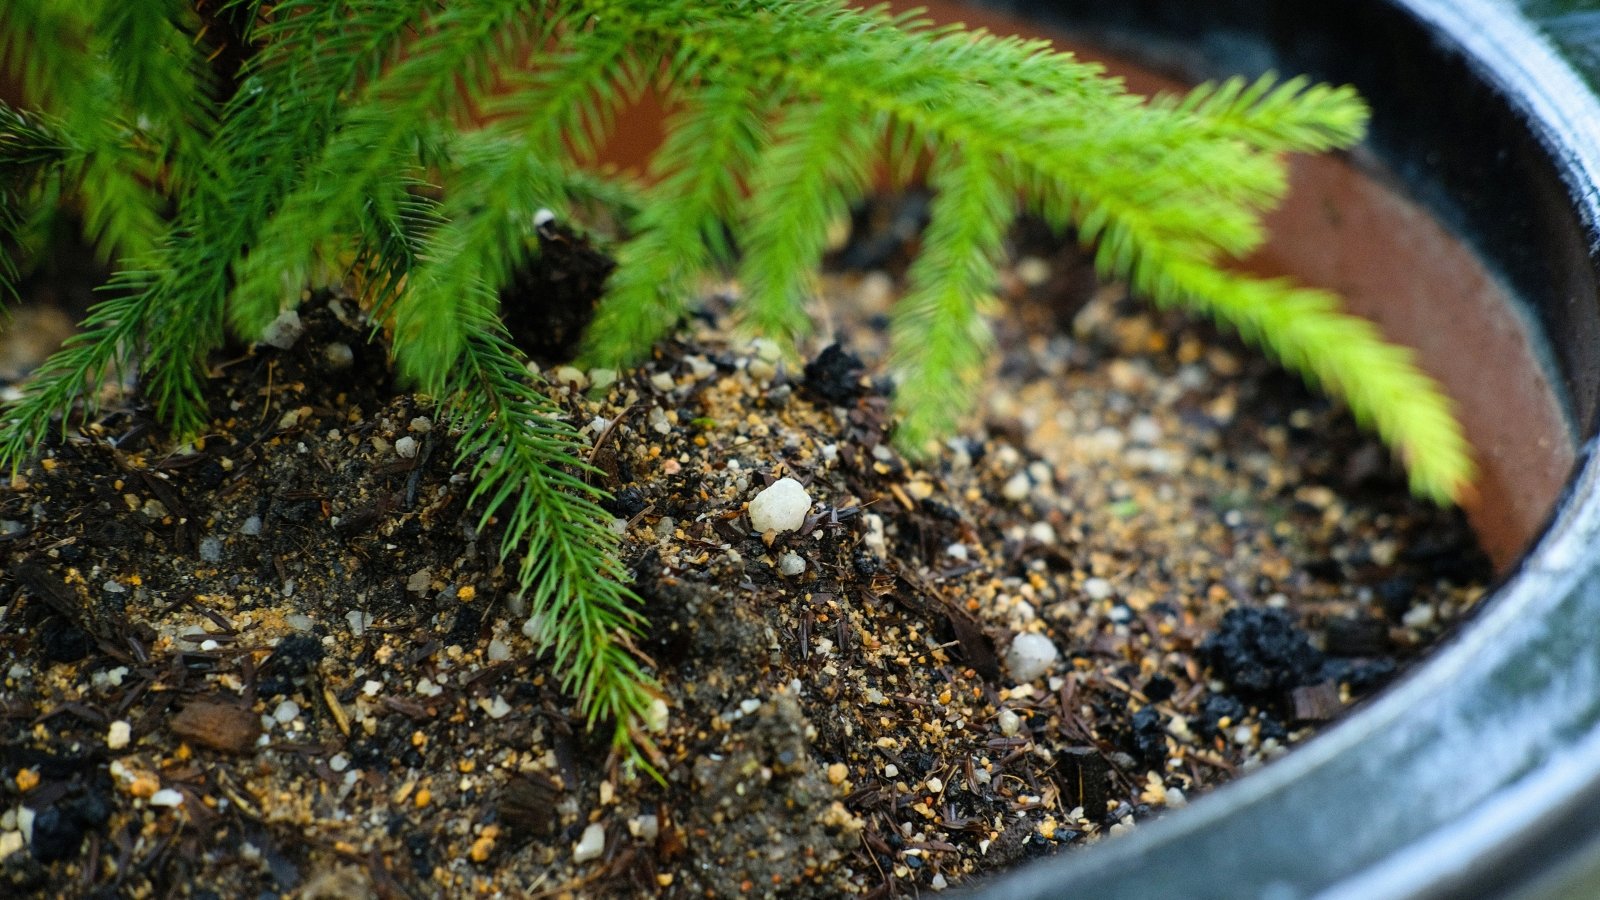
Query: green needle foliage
pixel 227 153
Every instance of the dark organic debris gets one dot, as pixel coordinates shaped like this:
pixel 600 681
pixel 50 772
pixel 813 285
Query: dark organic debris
pixel 835 376
pixel 1149 737
pixel 60 827
pixel 1219 712
pixel 551 298
pixel 1259 651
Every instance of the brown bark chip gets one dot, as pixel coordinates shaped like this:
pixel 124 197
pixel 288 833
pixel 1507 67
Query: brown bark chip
pixel 220 726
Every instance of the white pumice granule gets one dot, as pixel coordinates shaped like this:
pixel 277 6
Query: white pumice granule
pixel 781 507
pixel 1030 656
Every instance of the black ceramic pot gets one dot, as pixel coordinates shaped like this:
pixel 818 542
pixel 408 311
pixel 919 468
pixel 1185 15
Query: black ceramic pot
pixel 1479 773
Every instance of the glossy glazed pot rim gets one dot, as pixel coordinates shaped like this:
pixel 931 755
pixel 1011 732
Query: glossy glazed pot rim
pixel 1471 776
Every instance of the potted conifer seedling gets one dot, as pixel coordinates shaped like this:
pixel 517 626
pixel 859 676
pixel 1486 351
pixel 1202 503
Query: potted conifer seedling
pixel 227 159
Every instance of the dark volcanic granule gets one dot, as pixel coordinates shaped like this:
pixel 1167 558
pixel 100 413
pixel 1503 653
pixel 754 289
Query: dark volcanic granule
pixel 1149 737
pixel 1259 650
pixel 1361 675
pixel 63 642
pixel 835 376
pixel 626 503
pixel 1217 712
pixel 1159 688
pixel 59 828
pixel 295 655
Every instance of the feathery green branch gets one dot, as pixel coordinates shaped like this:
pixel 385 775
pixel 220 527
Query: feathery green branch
pixel 524 462
pixel 940 337
pixel 817 165
pixel 30 148
pixel 682 228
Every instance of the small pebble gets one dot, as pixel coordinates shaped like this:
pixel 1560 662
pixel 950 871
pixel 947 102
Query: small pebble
pixel 286 712
pixel 338 356
pixel 284 330
pixel 420 581
pixel 535 629
pixel 1010 723
pixel 571 375
pixel 1030 656
pixel 211 549
pixel 646 827
pixel 407 447
pixel 1419 616
pixel 166 797
pixel 791 564
pixel 1097 588
pixel 700 366
pixel 1144 430
pixel 251 526
pixel 657 716
pixel 781 507
pixel 499 650
pixel 1017 487
pixel 766 349
pixel 119 735
pixel 658 421
pixel 497 708
pixel 109 678
pixel 1032 271
pixel 591 845
pixel 339 762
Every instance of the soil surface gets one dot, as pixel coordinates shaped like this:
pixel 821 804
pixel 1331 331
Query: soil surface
pixel 282 660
